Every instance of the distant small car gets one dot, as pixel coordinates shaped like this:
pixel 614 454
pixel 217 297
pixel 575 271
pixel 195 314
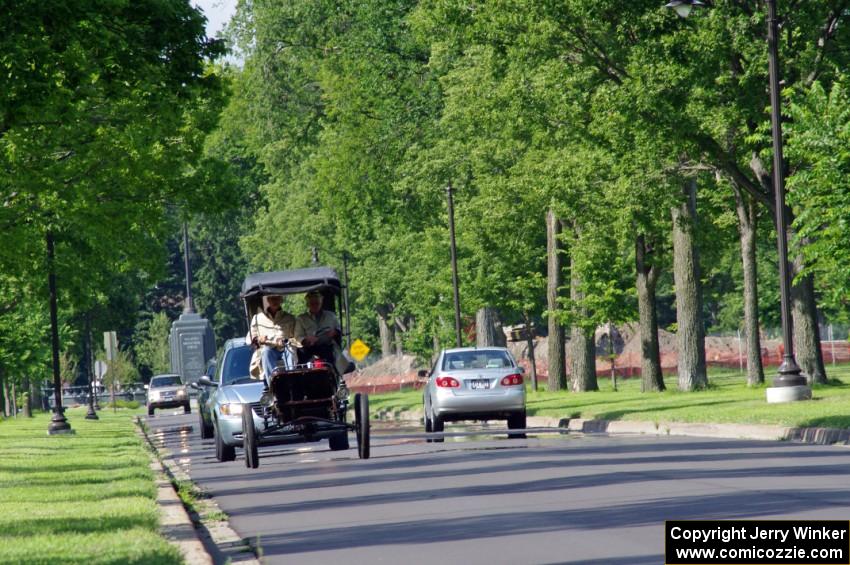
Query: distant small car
pixel 167 391
pixel 473 383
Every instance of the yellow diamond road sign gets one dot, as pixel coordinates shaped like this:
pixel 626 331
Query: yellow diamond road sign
pixel 359 350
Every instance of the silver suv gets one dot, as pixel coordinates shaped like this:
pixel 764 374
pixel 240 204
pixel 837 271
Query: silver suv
pixel 167 391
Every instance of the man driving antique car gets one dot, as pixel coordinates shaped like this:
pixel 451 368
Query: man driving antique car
pixel 317 330
pixel 271 331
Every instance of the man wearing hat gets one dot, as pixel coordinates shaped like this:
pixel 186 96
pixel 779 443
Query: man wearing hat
pixel 270 330
pixel 317 329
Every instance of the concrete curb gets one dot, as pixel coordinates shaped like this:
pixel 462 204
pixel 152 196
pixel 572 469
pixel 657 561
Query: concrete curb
pixel 762 432
pixel 174 522
pixel 228 545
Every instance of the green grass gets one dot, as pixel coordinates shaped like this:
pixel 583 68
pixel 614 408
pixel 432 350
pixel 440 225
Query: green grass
pixel 727 400
pixel 83 498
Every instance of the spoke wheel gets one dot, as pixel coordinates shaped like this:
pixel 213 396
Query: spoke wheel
pixel 249 438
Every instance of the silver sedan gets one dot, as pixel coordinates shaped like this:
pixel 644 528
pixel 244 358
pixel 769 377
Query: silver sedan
pixel 474 384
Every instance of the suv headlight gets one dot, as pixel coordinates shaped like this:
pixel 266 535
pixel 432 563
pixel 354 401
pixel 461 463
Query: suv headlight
pixel 181 392
pixel 153 395
pixel 231 409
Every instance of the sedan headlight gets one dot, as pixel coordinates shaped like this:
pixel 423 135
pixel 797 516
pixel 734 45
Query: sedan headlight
pixel 231 409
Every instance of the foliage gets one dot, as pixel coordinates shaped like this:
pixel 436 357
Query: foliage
pixel 152 347
pixel 67 367
pixel 348 121
pixel 103 112
pixel 361 115
pixel 121 370
pixel 819 146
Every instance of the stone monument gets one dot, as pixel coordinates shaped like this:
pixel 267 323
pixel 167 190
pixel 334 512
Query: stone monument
pixel 191 339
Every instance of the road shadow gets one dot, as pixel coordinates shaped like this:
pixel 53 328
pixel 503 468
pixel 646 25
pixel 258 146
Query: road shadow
pixel 737 505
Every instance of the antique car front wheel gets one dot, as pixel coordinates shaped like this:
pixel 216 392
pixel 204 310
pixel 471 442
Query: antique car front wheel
pixel 249 438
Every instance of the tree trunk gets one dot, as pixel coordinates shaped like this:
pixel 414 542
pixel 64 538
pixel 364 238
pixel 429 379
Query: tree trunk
pixel 435 343
pixel 27 404
pixel 582 347
pixel 745 206
pixel 399 351
pixel 647 277
pixel 612 357
pixel 690 335
pixel 36 397
pixel 386 331
pixel 4 394
pixel 806 332
pixel 556 346
pixel 488 328
pixel 13 404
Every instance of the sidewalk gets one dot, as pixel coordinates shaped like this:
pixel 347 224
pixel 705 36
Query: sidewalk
pixel 820 436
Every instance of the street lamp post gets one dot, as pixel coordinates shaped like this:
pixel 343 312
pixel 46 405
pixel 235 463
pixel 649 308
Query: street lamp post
pixel 58 423
pixel 189 304
pixel 450 200
pixel 314 259
pixel 790 383
pixel 91 414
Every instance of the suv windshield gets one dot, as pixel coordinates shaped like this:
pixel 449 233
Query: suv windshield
pixel 236 366
pixel 478 359
pixel 167 380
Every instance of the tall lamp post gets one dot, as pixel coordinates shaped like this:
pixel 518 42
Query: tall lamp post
pixel 314 259
pixel 790 383
pixel 189 304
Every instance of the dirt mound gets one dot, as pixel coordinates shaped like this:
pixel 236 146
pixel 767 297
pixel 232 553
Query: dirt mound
pixel 386 374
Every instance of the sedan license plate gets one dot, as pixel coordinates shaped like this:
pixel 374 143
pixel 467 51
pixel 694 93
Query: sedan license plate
pixel 479 384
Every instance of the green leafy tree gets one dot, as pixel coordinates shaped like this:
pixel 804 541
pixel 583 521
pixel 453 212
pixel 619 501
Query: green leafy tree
pixel 819 145
pixel 121 371
pixel 152 347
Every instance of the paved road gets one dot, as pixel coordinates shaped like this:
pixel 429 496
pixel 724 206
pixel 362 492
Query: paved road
pixel 551 498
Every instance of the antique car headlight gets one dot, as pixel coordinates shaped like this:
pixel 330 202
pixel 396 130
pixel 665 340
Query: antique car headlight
pixel 231 409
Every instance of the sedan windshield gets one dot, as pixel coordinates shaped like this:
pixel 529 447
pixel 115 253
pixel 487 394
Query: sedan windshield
pixel 167 380
pixel 236 365
pixel 478 359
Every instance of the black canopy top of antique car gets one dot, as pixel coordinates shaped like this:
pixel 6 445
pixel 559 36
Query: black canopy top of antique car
pixel 291 282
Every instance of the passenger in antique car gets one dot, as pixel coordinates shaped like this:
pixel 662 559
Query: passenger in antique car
pixel 317 330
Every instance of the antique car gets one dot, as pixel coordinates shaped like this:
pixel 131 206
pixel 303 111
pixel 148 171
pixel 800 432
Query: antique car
pixel 308 400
